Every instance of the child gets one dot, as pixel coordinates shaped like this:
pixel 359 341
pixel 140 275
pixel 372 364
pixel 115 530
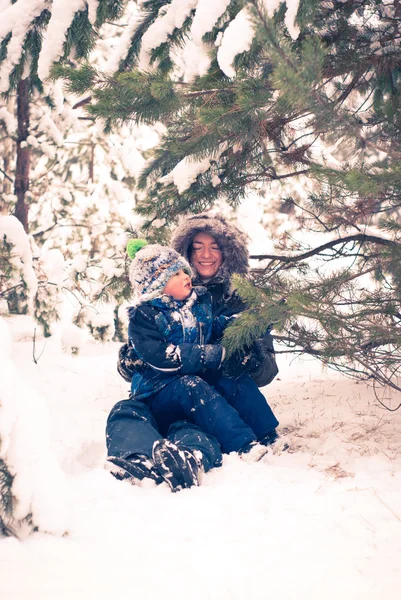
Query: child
pixel 172 330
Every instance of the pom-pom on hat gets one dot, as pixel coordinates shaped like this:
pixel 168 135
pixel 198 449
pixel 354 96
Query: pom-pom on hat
pixel 152 267
pixel 134 245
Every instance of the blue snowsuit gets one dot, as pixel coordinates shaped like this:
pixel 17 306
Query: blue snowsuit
pixel 180 388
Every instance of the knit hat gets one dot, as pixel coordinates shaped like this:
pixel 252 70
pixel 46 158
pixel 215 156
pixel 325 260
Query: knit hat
pixel 152 267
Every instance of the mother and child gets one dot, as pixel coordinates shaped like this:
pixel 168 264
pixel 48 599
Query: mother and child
pixel 188 403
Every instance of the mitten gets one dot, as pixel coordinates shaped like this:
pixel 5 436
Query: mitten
pixel 128 362
pixel 262 364
pixel 235 365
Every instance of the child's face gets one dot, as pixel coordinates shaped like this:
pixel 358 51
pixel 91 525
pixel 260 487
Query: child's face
pixel 179 286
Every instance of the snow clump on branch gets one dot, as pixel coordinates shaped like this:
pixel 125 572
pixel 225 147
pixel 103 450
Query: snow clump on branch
pixel 16 18
pixel 237 38
pixel 52 48
pixel 164 26
pixel 12 234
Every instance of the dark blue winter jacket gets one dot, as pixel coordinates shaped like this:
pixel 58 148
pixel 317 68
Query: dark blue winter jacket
pixel 174 338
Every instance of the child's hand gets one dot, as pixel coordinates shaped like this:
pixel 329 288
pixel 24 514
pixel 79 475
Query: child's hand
pixel 128 362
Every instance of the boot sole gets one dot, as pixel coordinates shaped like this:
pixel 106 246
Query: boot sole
pixel 173 466
pixel 123 469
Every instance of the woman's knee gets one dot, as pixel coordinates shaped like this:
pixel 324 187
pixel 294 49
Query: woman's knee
pixel 132 410
pixel 190 381
pixel 194 392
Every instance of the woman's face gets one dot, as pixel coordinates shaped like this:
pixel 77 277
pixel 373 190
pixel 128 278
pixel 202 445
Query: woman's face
pixel 206 256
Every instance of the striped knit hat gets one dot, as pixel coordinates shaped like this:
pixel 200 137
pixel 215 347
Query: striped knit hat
pixel 151 269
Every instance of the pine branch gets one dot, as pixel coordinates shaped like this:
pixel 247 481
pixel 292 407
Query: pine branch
pixel 6 176
pixel 359 237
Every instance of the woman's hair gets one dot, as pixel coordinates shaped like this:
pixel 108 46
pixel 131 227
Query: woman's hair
pixel 232 241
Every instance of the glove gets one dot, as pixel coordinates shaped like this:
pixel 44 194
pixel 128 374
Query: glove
pixel 128 362
pixel 262 365
pixel 235 365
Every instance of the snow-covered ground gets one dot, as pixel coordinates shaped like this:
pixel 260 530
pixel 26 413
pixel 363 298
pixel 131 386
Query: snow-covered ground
pixel 320 522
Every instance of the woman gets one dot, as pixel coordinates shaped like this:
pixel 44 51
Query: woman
pixel 216 250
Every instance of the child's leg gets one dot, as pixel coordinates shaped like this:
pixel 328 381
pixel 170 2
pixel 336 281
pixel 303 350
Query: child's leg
pixel 189 435
pixel 131 430
pixel 190 397
pixel 244 395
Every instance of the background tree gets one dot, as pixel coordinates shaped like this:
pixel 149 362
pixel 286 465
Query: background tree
pixel 33 34
pixel 69 184
pixel 307 90
pixel 49 165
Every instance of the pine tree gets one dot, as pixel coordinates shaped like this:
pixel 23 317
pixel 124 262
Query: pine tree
pixel 39 182
pixel 6 500
pixel 70 182
pixel 310 91
pixel 24 64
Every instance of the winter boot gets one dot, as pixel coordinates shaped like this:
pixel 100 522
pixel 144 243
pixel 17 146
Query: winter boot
pixel 136 468
pixel 270 438
pixel 179 467
pixel 274 440
pixel 253 452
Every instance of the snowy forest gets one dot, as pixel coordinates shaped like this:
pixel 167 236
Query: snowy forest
pixel 119 117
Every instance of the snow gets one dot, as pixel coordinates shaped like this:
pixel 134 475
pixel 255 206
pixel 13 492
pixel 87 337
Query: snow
pixel 26 447
pixel 21 255
pixel 185 173
pixel 240 32
pixel 16 18
pixel 192 60
pixel 4 4
pixel 188 169
pixel 9 120
pixel 131 22
pixel 92 10
pixel 58 95
pixel 289 19
pixel 206 16
pixel 323 521
pixel 237 38
pixel 47 125
pixel 48 150
pixel 79 264
pixel 292 8
pixel 158 223
pixel 102 320
pixel 54 37
pixel 31 140
pixel 174 16
pixel 53 265
pixel 109 267
pixel 73 338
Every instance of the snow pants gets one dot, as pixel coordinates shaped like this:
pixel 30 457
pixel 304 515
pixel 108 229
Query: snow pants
pixel 131 429
pixel 233 411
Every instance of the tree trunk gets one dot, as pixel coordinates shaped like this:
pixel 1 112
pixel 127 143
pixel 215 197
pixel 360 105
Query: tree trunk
pixel 6 165
pixel 92 163
pixel 23 153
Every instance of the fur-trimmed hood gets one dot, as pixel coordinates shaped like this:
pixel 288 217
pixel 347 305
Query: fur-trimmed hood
pixel 231 240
